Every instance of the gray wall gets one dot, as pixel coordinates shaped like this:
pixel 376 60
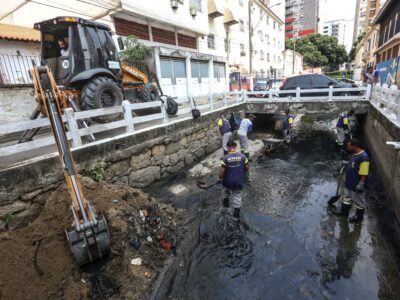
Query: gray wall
pixel 378 130
pixel 16 104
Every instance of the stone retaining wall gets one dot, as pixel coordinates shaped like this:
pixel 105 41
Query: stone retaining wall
pixel 136 160
pixel 378 130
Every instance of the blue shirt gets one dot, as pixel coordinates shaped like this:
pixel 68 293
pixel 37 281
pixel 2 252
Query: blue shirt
pixel 358 166
pixel 234 164
pixel 343 121
pixel 224 126
pixel 288 120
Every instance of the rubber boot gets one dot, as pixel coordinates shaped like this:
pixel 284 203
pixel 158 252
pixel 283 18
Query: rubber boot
pixel 225 202
pixel 236 213
pixel 344 210
pixel 358 216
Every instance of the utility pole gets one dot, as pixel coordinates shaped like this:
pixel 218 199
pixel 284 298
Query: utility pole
pixel 294 52
pixel 250 46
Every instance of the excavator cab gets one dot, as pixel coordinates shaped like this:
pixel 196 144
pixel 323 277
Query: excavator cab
pixel 90 50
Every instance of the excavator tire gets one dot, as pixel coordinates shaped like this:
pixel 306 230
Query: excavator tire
pixel 101 92
pixel 149 93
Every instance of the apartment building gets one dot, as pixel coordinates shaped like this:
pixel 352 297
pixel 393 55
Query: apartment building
pixel 342 30
pixel 303 17
pixel 387 53
pixel 366 10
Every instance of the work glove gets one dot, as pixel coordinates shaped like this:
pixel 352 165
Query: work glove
pixel 360 188
pixel 344 163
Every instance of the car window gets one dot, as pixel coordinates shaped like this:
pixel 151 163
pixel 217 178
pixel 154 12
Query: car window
pixel 290 84
pixel 321 81
pixel 303 82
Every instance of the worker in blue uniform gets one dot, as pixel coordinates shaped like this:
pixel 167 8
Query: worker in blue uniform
pixel 343 126
pixel 232 173
pixel 287 126
pixel 225 130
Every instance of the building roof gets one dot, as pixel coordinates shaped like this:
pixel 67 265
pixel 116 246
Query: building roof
pixel 383 11
pixel 18 33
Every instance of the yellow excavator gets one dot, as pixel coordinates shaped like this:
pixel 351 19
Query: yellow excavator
pixel 80 68
pixel 85 64
pixel 89 239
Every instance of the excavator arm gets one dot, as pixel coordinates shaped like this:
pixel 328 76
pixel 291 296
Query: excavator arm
pixel 89 238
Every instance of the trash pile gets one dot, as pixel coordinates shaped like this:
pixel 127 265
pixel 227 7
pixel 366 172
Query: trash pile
pixel 142 237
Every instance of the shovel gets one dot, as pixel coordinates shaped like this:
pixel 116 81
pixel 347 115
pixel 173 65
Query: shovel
pixel 202 185
pixel 335 198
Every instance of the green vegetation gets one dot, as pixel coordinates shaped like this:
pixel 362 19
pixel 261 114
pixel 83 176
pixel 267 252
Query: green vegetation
pixel 135 51
pixel 97 171
pixel 352 53
pixel 319 50
pixel 307 119
pixel 340 74
pixel 8 218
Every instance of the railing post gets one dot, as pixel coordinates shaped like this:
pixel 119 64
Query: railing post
pixel 225 101
pixel 330 95
pixel 211 102
pixel 126 105
pixel 164 112
pixel 368 92
pixel 270 95
pixel 298 94
pixel 73 127
pixel 237 97
pixel 244 96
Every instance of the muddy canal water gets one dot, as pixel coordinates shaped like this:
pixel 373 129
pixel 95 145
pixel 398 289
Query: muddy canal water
pixel 288 245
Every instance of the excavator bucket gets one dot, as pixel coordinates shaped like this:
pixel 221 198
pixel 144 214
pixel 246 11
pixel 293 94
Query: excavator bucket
pixel 90 244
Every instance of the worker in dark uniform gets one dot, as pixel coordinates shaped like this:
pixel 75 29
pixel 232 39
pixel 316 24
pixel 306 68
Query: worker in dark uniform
pixel 343 126
pixel 232 173
pixel 287 126
pixel 355 181
pixel 226 132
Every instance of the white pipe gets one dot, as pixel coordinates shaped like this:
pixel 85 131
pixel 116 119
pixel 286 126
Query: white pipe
pixel 396 145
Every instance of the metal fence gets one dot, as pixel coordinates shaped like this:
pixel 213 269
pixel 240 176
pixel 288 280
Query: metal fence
pixel 15 69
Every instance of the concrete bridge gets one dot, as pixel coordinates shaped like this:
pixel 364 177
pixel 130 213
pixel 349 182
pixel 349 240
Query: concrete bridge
pixel 139 157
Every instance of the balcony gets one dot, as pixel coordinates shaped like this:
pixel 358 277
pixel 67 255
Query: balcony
pixel 215 8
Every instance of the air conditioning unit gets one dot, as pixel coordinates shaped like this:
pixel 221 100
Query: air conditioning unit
pixel 174 4
pixel 193 12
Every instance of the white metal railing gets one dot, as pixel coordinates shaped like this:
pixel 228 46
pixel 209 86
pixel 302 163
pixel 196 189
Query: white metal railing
pixel 131 122
pixel 387 100
pixel 301 95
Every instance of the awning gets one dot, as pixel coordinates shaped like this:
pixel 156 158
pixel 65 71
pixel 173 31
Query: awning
pixel 229 17
pixel 215 8
pixel 16 11
pixel 18 33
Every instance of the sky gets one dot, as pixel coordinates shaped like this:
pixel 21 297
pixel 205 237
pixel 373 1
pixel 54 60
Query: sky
pixel 340 9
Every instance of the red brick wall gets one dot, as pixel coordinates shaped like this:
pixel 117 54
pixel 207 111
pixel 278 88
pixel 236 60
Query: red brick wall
pixel 163 36
pixel 126 28
pixel 187 41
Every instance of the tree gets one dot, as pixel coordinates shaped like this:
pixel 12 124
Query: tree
pixel 357 42
pixel 319 50
pixel 135 51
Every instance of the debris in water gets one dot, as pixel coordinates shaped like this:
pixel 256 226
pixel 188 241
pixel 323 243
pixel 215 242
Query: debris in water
pixel 136 261
pixel 165 245
pixel 147 274
pixel 135 243
pixel 149 239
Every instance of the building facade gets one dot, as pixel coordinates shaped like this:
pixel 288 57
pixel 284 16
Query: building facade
pixel 341 29
pixel 387 53
pixel 292 68
pixel 366 10
pixel 303 17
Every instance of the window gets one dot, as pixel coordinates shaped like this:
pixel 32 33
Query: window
pixel 262 56
pixel 267 36
pixel 172 68
pixel 261 14
pixel 241 2
pixel 320 81
pixel 274 42
pixel 261 35
pixel 211 41
pixel 274 25
pixel 267 20
pixel 268 59
pixel 242 51
pixel 303 82
pixel 241 25
pixel 199 69
pixel 219 71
